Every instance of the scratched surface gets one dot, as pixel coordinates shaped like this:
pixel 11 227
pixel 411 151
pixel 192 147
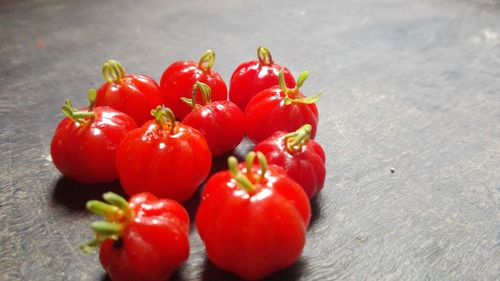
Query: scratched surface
pixel 408 85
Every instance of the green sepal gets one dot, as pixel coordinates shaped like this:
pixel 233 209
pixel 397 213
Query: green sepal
pixel 116 200
pixel 207 60
pixel 241 180
pixel 107 229
pixel 307 100
pixel 113 71
pixel 302 78
pixel 164 117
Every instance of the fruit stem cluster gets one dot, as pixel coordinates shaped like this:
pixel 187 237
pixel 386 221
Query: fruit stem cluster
pixel 82 117
pixel 207 60
pixel 206 94
pixel 164 117
pixel 249 180
pixel 116 213
pixel 291 94
pixel 264 55
pixel 296 140
pixel 112 71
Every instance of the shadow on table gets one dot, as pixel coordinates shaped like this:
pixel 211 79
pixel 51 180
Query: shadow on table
pixel 291 273
pixel 315 210
pixel 73 195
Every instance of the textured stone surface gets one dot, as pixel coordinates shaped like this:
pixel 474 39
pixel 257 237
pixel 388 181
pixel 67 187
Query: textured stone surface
pixel 408 85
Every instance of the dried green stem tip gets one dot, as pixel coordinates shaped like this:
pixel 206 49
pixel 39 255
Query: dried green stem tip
pixel 164 117
pixel 112 71
pixel 296 140
pixel 264 55
pixel 207 60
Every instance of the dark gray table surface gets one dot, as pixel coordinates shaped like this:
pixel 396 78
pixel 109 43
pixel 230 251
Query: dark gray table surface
pixel 409 85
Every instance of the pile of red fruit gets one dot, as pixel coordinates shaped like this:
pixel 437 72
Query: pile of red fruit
pixel 252 218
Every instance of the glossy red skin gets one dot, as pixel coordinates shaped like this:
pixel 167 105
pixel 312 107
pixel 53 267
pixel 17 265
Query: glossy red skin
pixel 168 165
pixel 177 81
pixel 267 113
pixel 255 235
pixel 86 153
pixel 252 77
pixel 306 166
pixel 222 124
pixel 153 245
pixel 135 95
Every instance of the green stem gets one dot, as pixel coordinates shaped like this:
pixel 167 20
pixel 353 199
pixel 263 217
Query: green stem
pixel 91 96
pixel 164 117
pixel 249 160
pixel 93 245
pixel 120 202
pixel 117 214
pixel 241 180
pixel 245 181
pixel 263 165
pixel 296 140
pixel 206 94
pixel 302 78
pixel 102 209
pixel 83 117
pixel 264 55
pixel 207 60
pixel 290 94
pixel 112 71
pixel 107 229
pixel 282 83
pixel 116 200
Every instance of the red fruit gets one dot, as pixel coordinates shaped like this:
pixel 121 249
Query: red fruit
pixel 84 145
pixel 178 79
pixel 164 157
pixel 302 158
pixel 254 76
pixel 221 122
pixel 143 239
pixel 135 95
pixel 280 109
pixel 253 220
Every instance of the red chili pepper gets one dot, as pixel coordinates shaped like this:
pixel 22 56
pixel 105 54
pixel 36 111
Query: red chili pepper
pixel 143 239
pixel 135 95
pixel 280 109
pixel 221 122
pixel 164 157
pixel 302 158
pixel 253 218
pixel 252 77
pixel 178 79
pixel 84 144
